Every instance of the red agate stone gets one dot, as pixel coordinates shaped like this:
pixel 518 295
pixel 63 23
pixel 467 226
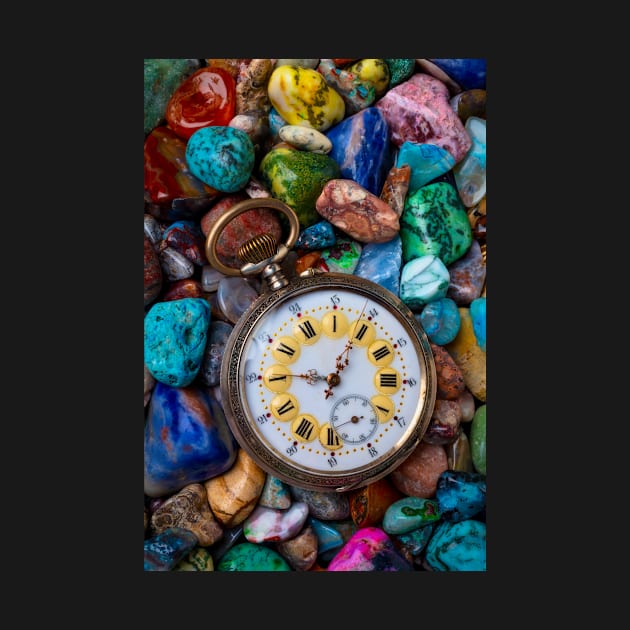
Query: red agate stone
pixel 166 174
pixel 206 98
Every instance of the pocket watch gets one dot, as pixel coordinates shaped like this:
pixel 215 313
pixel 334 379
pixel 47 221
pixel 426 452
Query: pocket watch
pixel 328 381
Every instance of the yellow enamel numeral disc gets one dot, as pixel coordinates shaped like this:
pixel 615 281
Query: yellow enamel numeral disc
pixel 361 333
pixel 384 407
pixel 381 352
pixel 305 428
pixel 286 350
pixel 307 330
pixel 277 378
pixel 329 438
pixel 334 324
pixel 284 407
pixel 387 380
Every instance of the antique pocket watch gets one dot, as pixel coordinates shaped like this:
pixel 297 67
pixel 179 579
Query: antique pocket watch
pixel 327 381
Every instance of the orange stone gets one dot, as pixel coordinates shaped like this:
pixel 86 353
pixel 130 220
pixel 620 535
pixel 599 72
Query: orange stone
pixel 369 504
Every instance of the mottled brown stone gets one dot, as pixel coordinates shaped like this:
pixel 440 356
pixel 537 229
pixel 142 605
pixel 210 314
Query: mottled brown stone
pixel 233 495
pixel 395 188
pixel 251 87
pixel 357 212
pixel 307 261
pixel 467 404
pixel 300 552
pixel 459 455
pixel 467 276
pixel 450 380
pixel 189 510
pixel 418 475
pixel 369 504
pixel 444 425
pixel 184 288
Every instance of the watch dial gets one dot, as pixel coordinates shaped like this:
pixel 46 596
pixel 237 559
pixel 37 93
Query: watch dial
pixel 329 384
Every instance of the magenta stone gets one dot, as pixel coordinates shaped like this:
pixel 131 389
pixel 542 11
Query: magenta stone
pixel 369 549
pixel 419 110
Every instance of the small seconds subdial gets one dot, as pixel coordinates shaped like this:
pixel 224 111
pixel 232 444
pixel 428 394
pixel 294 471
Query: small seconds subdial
pixel 354 419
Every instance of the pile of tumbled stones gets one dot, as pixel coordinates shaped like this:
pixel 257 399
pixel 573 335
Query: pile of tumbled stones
pixel 397 149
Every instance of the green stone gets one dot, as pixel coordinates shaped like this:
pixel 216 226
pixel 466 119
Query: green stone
pixel 199 559
pixel 478 440
pixel 434 221
pixel 250 557
pixel 297 178
pixel 457 546
pixel 399 70
pixel 161 78
pixel 409 513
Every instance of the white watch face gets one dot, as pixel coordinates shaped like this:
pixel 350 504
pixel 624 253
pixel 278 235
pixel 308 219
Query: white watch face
pixel 332 381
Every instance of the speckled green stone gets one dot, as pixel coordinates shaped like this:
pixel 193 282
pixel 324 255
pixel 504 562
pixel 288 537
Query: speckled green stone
pixel 298 178
pixel 409 513
pixel 251 557
pixel 457 546
pixel 161 78
pixel 478 440
pixel 434 221
pixel 399 70
pixel 199 559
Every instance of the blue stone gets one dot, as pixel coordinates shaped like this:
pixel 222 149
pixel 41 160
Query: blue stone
pixel 166 550
pixel 381 263
pixel 457 546
pixel 218 335
pixel 327 536
pixel 221 157
pixel 440 320
pixel 175 335
pixel 186 439
pixel 426 162
pixel 317 236
pixel 478 317
pixel 460 494
pixel 469 73
pixel 361 148
pixel 275 122
pixel 415 541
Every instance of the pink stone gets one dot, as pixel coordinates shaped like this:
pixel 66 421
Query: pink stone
pixel 270 525
pixel 369 549
pixel 418 110
pixel 357 212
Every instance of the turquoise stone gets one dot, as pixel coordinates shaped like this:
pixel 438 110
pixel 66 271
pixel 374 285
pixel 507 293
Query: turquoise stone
pixel 161 78
pixel 381 263
pixel 399 70
pixel 457 546
pixel 186 439
pixel 416 540
pixel 478 440
pixel 460 495
pixel 221 157
pixel 275 494
pixel 165 551
pixel 478 316
pixel 434 221
pixel 175 334
pixel 252 557
pixel 426 161
pixel 408 514
pixel 423 280
pixel 440 320
pixel 317 236
pixel 327 536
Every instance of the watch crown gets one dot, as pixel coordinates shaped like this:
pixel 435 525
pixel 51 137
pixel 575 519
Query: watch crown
pixel 258 248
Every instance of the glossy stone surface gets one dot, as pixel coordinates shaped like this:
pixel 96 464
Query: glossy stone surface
pixel 251 87
pixel 423 280
pixel 418 475
pixel 175 266
pixel 152 273
pixel 470 73
pixel 459 455
pixel 395 188
pixel 413 543
pixel 444 425
pixel 326 506
pixel 234 296
pixel 457 546
pixel 297 178
pixel 221 157
pixel 434 221
pixel 478 317
pixel 418 110
pixel 186 237
pixel 399 70
pixel 207 97
pixel 174 340
pixel 249 556
pixel 270 525
pixel 318 236
pixel 467 276
pixel 409 513
pixel 470 173
pixel 275 494
pixel 300 551
pixel 426 161
pixel 210 370
pixel 186 439
pixel 470 103
pixel 360 145
pixel 305 138
pixel 302 97
pixel 478 440
pixel 373 71
pixel 460 495
pixel 369 549
pixel 233 495
pixel 328 538
pixel 449 378
pixel 357 212
pixel 166 173
pixel 199 559
pixel 381 263
pixel 440 320
pixel 342 257
pixel 356 93
pixel 369 503
pixel 164 551
pixel 161 78
pixel 184 288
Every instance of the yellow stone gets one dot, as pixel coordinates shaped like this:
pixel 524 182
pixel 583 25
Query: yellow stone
pixel 302 97
pixel 199 559
pixel 468 356
pixel 374 71
pixel 233 495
